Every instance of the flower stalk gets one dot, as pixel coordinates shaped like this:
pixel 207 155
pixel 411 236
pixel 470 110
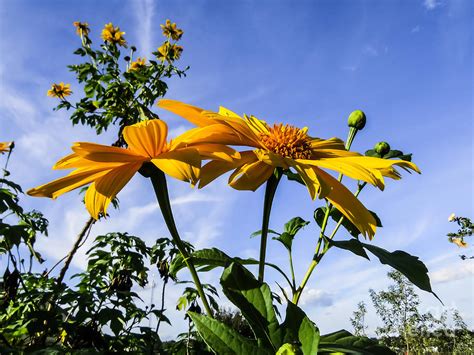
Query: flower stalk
pixel 270 190
pixel 158 180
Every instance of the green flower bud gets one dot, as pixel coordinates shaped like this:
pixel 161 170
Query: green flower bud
pixel 357 119
pixel 382 148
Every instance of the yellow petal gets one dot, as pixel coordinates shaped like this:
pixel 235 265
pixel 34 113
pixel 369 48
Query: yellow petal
pixel 256 125
pixel 349 205
pixel 217 152
pixel 181 164
pixel 214 169
pixel 104 189
pixel 226 112
pixel 100 153
pixel 316 186
pixel 251 176
pixel 146 138
pixel 270 158
pixel 349 168
pixel 213 134
pixel 331 143
pixel 188 112
pixel 70 182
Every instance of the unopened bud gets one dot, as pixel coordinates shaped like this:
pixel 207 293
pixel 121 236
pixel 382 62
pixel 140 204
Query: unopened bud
pixel 382 148
pixel 133 48
pixel 357 119
pixel 126 58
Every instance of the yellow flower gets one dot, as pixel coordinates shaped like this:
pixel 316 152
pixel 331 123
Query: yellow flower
pixel 5 147
pixel 288 147
pixel 82 28
pixel 113 35
pixel 169 52
pixel 137 64
pixel 60 90
pixel 459 242
pixel 451 217
pixel 170 30
pixel 108 168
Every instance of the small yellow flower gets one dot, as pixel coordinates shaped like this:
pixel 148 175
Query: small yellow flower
pixel 169 52
pixel 113 35
pixel 170 30
pixel 451 217
pixel 5 147
pixel 137 64
pixel 82 28
pixel 108 169
pixel 287 147
pixel 460 242
pixel 60 90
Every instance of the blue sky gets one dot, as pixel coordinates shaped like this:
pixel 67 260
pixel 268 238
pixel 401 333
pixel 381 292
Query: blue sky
pixel 407 64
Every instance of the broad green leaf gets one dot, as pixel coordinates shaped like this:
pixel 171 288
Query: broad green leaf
pixel 210 258
pixel 254 300
pixel 223 339
pixel 336 215
pixel 352 245
pixel 344 342
pixel 288 349
pixel 291 228
pixel 410 266
pixel 298 328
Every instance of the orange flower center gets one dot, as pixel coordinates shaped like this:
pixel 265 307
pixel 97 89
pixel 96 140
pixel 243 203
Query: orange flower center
pixel 287 141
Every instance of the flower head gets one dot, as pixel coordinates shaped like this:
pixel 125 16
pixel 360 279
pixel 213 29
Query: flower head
pixel 82 28
pixel 451 217
pixel 5 147
pixel 169 52
pixel 137 64
pixel 287 147
pixel 170 30
pixel 113 35
pixel 60 90
pixel 108 169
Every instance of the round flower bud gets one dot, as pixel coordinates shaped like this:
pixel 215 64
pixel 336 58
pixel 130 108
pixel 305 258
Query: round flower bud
pixel 357 119
pixel 382 148
pixel 133 48
pixel 126 58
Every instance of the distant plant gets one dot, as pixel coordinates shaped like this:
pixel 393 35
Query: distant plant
pixel 466 228
pixel 358 320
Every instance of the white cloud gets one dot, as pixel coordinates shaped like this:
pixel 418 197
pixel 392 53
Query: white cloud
pixel 454 271
pixel 312 297
pixel 415 29
pixel 371 50
pixel 431 4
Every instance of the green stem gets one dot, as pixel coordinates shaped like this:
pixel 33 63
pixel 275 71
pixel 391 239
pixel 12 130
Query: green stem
pixel 158 180
pixel 272 184
pixel 293 284
pixel 350 138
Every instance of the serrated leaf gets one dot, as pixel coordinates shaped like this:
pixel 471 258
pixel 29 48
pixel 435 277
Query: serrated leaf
pixel 222 339
pixel 254 299
pixel 352 245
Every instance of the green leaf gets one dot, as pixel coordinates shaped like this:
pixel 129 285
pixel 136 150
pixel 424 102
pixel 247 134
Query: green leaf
pixel 223 339
pixel 293 176
pixel 291 228
pixel 410 266
pixel 298 328
pixel 336 215
pixel 344 342
pixel 352 245
pixel 287 349
pixel 210 258
pixel 254 299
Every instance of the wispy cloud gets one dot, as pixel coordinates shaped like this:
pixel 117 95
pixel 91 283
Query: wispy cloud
pixel 416 29
pixel 144 10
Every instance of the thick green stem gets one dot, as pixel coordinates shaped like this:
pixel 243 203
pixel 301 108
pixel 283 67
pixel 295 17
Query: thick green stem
pixel 158 180
pixel 272 184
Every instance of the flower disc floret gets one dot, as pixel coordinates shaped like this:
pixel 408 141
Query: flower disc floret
pixel 287 141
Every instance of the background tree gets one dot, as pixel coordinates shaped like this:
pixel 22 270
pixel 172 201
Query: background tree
pixel 358 320
pixel 466 228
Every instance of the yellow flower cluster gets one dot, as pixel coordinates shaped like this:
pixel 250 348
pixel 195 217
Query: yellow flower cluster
pixel 60 90
pixel 137 64
pixel 82 28
pixel 113 35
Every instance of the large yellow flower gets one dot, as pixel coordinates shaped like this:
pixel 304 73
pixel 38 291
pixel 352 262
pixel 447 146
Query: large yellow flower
pixel 108 168
pixel 288 147
pixel 5 147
